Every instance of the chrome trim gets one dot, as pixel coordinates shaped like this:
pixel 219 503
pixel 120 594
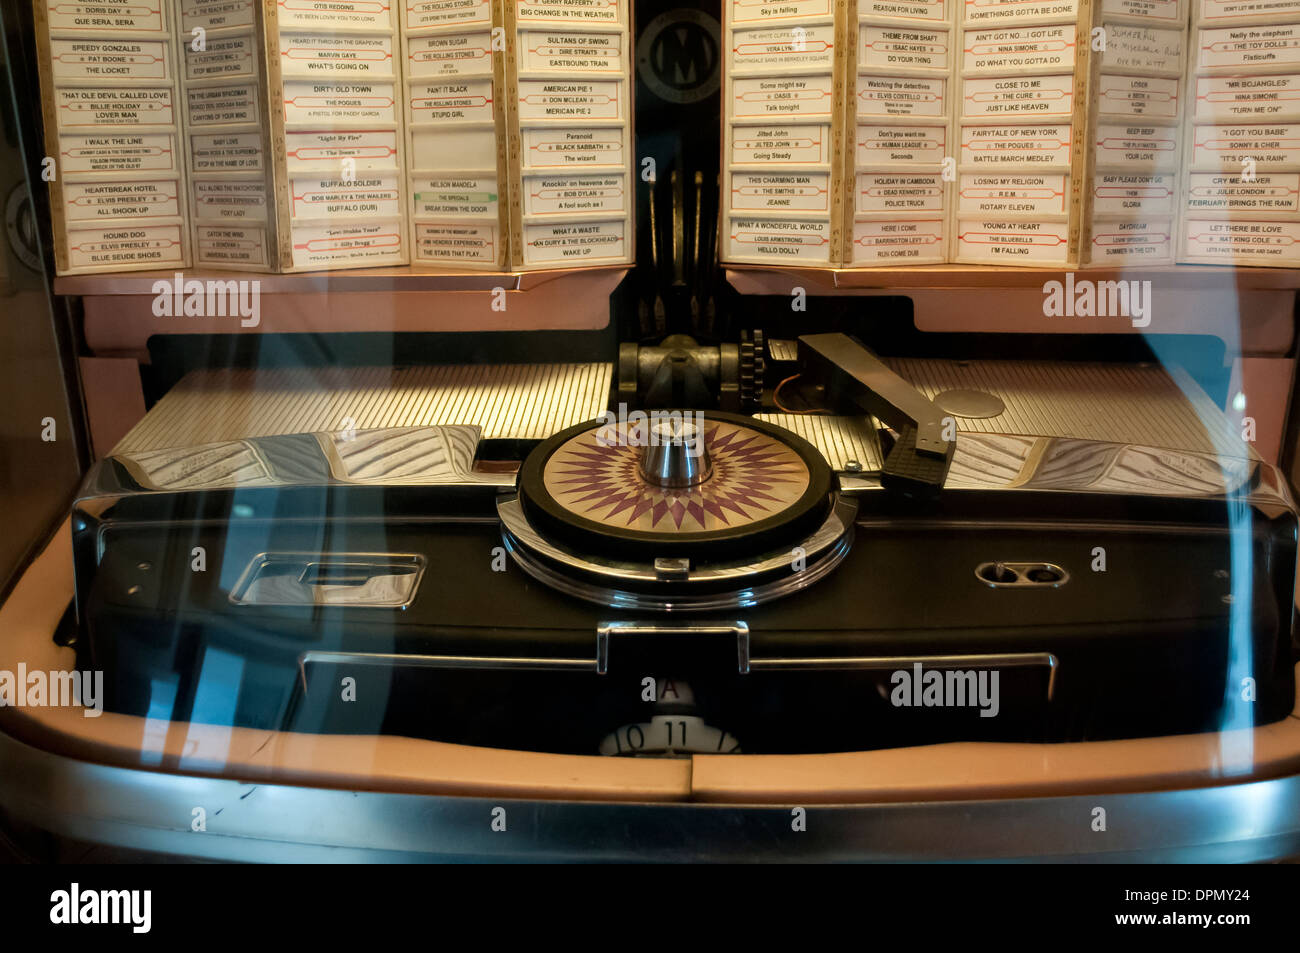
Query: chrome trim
pixel 745 662
pixel 1148 405
pixel 1022 571
pixel 842 440
pixel 893 662
pixel 1026 463
pixel 605 631
pixel 413 456
pixel 272 821
pixel 854 483
pixel 671 568
pixel 837 525
pixel 306 594
pixel 599 663
pixel 783 350
pixel 389 660
pixel 679 602
pixel 674 455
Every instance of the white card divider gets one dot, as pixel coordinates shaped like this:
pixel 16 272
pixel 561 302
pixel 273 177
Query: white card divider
pixel 113 123
pixel 901 103
pixel 519 120
pixel 1240 194
pixel 1137 104
pixel 1022 129
pixel 337 139
pixel 1068 132
pixel 453 95
pixel 227 136
pixel 784 143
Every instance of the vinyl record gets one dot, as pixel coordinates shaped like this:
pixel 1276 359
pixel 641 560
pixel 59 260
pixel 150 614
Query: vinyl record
pixel 768 488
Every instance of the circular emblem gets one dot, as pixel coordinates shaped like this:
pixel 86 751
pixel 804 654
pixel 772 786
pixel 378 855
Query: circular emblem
pixel 586 487
pixel 679 55
pixel 595 475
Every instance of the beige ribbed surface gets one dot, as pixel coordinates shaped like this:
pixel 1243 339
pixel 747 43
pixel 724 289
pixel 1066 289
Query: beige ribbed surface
pixel 1131 404
pixel 521 401
pixel 840 439
pixel 1119 403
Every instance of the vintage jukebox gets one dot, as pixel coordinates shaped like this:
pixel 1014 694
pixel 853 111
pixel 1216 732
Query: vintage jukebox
pixel 650 422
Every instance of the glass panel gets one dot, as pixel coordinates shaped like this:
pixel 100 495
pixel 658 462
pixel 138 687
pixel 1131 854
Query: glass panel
pixel 597 401
pixel 40 452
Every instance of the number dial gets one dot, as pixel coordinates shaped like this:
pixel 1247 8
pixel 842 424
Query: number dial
pixel 667 735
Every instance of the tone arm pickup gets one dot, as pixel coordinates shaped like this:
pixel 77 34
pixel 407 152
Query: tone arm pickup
pixel 918 463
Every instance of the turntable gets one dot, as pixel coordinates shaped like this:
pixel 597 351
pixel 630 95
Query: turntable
pixel 684 511
pixel 880 552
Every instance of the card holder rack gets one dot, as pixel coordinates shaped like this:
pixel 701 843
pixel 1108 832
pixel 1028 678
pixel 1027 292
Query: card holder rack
pixel 227 140
pixel 1240 202
pixel 337 142
pixel 519 123
pixel 901 56
pixel 112 118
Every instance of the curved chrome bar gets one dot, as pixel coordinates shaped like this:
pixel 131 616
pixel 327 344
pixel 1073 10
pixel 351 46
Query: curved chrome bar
pixel 259 822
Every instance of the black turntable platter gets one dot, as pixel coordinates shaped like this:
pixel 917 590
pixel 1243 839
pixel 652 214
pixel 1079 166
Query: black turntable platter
pixel 764 488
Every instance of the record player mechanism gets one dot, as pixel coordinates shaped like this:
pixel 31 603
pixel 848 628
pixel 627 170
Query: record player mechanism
pixel 508 579
pixel 677 510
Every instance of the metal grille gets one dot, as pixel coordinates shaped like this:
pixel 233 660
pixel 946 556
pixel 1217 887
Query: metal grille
pixel 840 439
pixel 1122 403
pixel 520 401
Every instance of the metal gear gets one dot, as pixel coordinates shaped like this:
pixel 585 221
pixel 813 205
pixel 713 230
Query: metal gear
pixel 753 364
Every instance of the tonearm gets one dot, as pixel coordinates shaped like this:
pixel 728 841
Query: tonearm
pixel 850 374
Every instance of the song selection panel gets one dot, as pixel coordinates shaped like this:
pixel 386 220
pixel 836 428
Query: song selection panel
pixel 519 120
pixel 901 134
pixel 783 134
pixel 454 54
pixel 497 134
pixel 227 136
pixel 112 134
pixel 571 190
pixel 1241 194
pixel 338 135
pixel 1137 103
pixel 1022 109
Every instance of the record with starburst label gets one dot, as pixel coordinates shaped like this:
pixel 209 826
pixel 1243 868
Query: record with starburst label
pixel 766 486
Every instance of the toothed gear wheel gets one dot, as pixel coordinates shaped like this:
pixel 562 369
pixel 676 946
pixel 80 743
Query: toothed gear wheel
pixel 752 366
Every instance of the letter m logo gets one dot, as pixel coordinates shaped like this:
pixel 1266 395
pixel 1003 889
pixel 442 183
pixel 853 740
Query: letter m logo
pixel 684 55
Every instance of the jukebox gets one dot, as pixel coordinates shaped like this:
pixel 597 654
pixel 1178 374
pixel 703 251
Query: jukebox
pixel 647 424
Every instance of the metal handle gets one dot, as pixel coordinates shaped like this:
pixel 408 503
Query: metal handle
pixel 606 630
pixel 353 580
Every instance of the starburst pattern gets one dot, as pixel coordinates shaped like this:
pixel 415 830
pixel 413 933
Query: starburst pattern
pixel 754 477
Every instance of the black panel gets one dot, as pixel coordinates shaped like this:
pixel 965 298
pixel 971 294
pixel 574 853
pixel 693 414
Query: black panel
pixel 1148 646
